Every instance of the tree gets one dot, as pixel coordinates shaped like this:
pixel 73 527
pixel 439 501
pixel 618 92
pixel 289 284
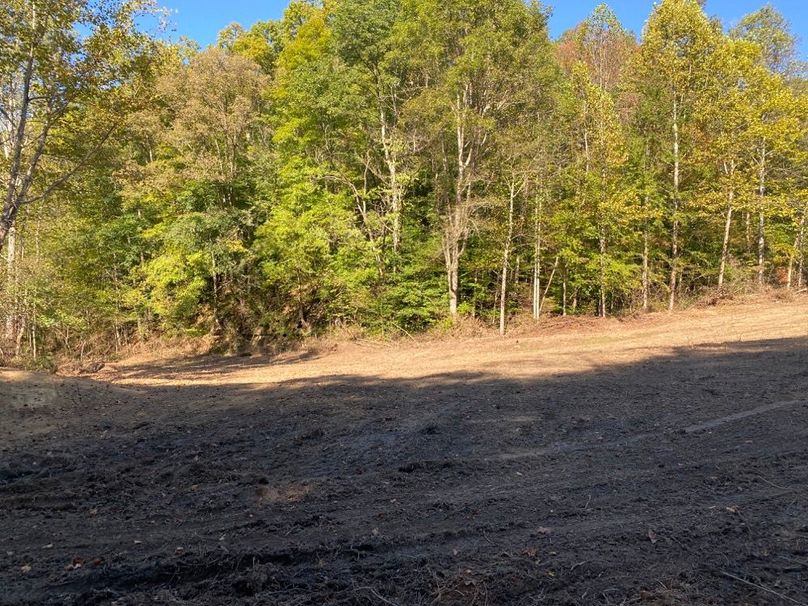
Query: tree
pixel 470 60
pixel 261 43
pixel 213 104
pixel 58 57
pixel 595 55
pixel 316 260
pixel 603 46
pixel 363 39
pixel 364 162
pixel 775 131
pixel 724 116
pixel 774 125
pixel 770 31
pixel 670 72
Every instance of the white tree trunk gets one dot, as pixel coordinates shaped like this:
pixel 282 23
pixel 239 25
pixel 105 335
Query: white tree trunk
pixel 796 252
pixel 725 244
pixel 645 270
pixel 11 285
pixel 564 294
pixel 761 248
pixel 506 252
pixel 451 254
pixel 395 193
pixel 800 252
pixel 537 243
pixel 602 278
pixel 453 287
pixel 675 225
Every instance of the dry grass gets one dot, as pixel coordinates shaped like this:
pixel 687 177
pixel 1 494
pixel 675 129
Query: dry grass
pixel 554 346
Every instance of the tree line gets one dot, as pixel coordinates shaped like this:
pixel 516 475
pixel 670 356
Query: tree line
pixel 387 164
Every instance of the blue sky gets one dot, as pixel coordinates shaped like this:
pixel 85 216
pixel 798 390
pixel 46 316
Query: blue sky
pixel 203 19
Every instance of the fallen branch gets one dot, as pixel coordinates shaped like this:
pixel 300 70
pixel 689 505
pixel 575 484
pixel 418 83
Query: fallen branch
pixel 762 588
pixel 376 595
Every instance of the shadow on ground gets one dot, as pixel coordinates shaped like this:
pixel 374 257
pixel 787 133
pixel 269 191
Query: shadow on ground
pixel 682 479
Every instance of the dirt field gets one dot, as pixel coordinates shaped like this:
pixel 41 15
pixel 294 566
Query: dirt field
pixel 662 460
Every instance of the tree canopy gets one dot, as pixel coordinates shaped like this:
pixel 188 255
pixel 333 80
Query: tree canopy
pixel 387 164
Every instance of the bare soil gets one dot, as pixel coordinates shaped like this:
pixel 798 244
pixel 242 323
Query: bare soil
pixel 659 460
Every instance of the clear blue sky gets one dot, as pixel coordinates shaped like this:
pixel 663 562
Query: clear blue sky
pixel 203 19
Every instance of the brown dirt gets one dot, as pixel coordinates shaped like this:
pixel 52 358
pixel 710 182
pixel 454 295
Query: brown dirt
pixel 659 460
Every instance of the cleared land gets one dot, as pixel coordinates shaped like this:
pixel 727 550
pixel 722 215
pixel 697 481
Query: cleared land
pixel 662 460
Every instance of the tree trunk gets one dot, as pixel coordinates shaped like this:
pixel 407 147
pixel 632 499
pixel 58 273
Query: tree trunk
pixel 602 277
pixel 537 298
pixel 725 244
pixel 801 251
pixel 645 270
pixel 748 224
pixel 761 218
pixel 675 223
pixel 790 275
pixel 549 284
pixel 11 285
pixel 458 211
pixel 452 249
pixel 7 220
pixel 395 194
pixel 536 289
pixel 34 343
pixel 646 262
pixel 453 287
pixel 503 299
pixel 450 253
pixel 506 252
pixel 795 253
pixel 761 277
pixel 564 294
pixel 18 179
pixel 729 171
pixel 18 339
pixel 674 264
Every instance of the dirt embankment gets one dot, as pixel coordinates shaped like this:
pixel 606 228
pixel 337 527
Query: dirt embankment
pixel 662 460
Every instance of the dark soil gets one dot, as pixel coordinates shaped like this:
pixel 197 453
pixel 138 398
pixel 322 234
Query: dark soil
pixel 668 475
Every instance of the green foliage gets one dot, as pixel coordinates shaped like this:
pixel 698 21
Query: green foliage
pixel 262 43
pixel 769 30
pixel 366 162
pixel 313 257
